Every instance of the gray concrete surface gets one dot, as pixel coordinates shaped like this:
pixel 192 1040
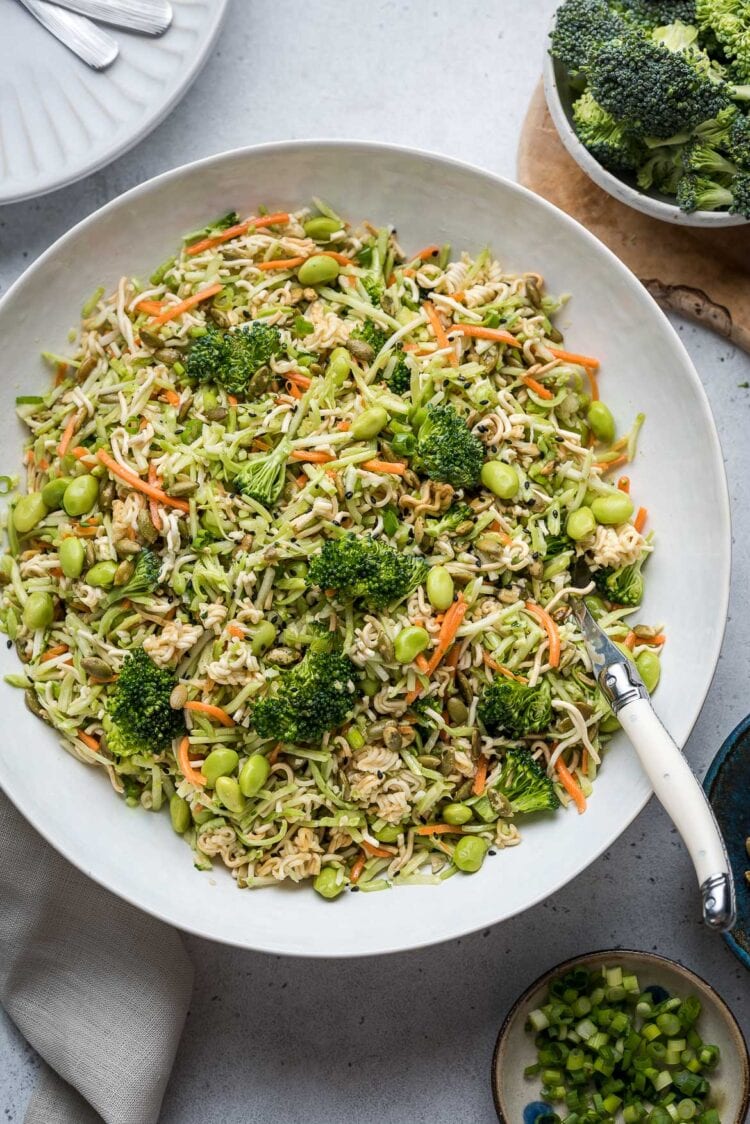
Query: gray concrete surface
pixel 405 1039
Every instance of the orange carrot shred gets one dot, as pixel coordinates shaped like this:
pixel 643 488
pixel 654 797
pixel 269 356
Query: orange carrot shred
pixel 175 310
pixel 237 230
pixel 480 777
pixel 438 829
pixel 299 378
pixel 427 252
pixel 87 739
pixel 640 520
pixel 189 773
pixel 440 333
pixel 624 484
pixel 448 630
pixel 479 332
pixel 140 485
pixel 344 426
pixel 216 712
pixel 311 456
pixel 236 630
pixel 67 434
pixel 571 786
pixel 550 628
pixel 391 468
pixel 537 387
pixel 170 396
pixel 279 263
pixel 153 507
pixel 151 308
pixel 50 654
pixel 422 664
pixel 501 669
pixel 376 852
pixel 574 357
pixel 357 867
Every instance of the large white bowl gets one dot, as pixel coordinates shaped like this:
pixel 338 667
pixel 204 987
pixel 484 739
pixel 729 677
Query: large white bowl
pixel 679 474
pixel 652 202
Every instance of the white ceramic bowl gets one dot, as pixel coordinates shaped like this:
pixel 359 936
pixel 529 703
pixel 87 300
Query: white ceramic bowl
pixel 515 1050
pixel 560 103
pixel 679 474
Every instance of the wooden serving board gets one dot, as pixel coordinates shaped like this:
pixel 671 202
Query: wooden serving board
pixel 702 274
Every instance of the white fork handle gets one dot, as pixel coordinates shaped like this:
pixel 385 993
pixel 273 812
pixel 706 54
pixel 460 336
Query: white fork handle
pixel 686 804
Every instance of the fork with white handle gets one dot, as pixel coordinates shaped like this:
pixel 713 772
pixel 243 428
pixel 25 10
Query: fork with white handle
pixel 68 21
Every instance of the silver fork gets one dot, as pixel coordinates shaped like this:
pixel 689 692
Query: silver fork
pixel 94 46
pixel 152 17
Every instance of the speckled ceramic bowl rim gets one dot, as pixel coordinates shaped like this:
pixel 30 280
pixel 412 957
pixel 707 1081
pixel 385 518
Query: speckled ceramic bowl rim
pixel 619 189
pixel 727 748
pixel 646 958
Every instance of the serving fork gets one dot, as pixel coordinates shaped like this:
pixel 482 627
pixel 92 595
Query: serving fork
pixel 68 21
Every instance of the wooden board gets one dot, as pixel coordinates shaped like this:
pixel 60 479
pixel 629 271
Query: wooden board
pixel 702 274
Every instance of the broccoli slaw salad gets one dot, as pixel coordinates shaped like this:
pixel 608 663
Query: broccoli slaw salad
pixel 294 559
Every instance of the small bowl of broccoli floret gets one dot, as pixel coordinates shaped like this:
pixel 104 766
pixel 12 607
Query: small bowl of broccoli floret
pixel 652 99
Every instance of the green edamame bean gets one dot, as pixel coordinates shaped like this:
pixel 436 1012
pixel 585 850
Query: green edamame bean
pixel 457 813
pixel 6 568
pixel 370 687
pixel 410 642
pixel 601 422
pixel 263 637
pixel 355 737
pixel 404 444
pixel 369 423
pixel 71 554
pixel 81 494
pixel 558 565
pixel 469 852
pixel 38 610
pixel 500 478
pixel 614 507
pixel 595 606
pixel 609 724
pixel 320 228
pixel 580 524
pixel 649 669
pixel 340 364
pixel 219 763
pixel 210 398
pixel 29 511
pixel 203 816
pixel 254 774
pixel 458 710
pixel 329 883
pixel 389 833
pixel 440 588
pixel 179 813
pixel 229 793
pixel 318 270
pixel 54 490
pixel 102 574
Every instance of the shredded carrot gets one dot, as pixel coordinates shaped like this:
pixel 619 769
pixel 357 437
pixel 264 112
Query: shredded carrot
pixel 152 308
pixel 438 829
pixel 593 384
pixel 422 664
pixel 279 263
pixel 52 652
pixel 344 426
pixel 357 867
pixel 189 773
pixel 342 259
pixel 409 272
pixel 480 777
pixel 459 296
pixel 478 332
pixel 233 402
pixel 391 468
pixel 427 252
pixel 585 761
pixel 550 628
pixel 216 712
pixel 377 852
pixel 452 658
pixel 624 484
pixel 259 444
pixel 80 451
pixel 537 387
pixel 573 357
pixel 300 480
pixel 640 520
pixel 629 640
pixel 175 310
pixel 237 230
pixel 170 396
pixel 311 456
pixel 236 631
pixel 140 485
pixel 412 695
pixel 448 630
pixel 43 464
pixel 501 669
pixel 60 372
pixel 299 378
pixel 85 532
pixel 274 754
pixel 153 507
pixel 571 785
pixel 657 641
pixel 607 466
pixel 440 334
pixel 293 390
pixel 92 743
pixel 67 434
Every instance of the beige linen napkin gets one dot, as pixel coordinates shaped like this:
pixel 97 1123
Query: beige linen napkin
pixel 98 988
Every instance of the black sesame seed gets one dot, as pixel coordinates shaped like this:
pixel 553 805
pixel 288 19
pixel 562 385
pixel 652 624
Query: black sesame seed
pixel 349 495
pixel 492 852
pixel 354 889
pixel 379 775
pixel 8 643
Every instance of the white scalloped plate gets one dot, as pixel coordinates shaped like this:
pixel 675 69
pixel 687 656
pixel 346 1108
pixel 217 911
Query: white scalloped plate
pixel 60 120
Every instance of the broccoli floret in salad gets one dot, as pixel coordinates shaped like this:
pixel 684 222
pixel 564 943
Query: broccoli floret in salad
pixel 623 585
pixel 447 450
pixel 515 709
pixel 367 570
pixel 525 785
pixel 458 515
pixel 314 696
pixel 238 360
pixel 144 578
pixel 139 717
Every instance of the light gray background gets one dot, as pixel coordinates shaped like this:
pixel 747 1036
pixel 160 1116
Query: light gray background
pixel 409 1038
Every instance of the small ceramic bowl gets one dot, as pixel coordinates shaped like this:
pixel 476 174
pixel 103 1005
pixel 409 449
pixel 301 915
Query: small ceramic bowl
pixel 727 786
pixel 516 1096
pixel 560 104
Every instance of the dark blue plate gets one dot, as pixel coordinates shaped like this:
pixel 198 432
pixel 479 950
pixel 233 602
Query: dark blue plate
pixel 727 785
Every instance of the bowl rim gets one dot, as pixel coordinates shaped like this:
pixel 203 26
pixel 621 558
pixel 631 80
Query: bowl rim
pixel 730 1018
pixel 618 188
pixel 725 751
pixel 713 451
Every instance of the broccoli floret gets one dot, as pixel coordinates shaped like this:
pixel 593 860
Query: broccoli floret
pixel 728 23
pixel 373 257
pixel 677 36
pixel 525 785
pixel 372 335
pixel 262 477
pixel 580 27
pixel 717 130
pixel 237 360
pixel 623 585
pixel 448 524
pixel 315 696
pixel 139 718
pixel 374 287
pixel 648 14
pixel 662 170
pixel 447 450
pixel 609 143
pixel 515 709
pixel 698 193
pixel 701 158
pixel 738 141
pixel 398 379
pixel 651 90
pixel 144 578
pixel 367 569
pixel 556 544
